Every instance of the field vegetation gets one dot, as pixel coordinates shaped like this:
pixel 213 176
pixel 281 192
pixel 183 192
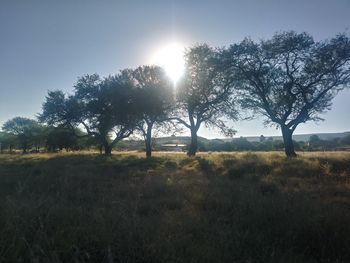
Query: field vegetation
pixel 234 207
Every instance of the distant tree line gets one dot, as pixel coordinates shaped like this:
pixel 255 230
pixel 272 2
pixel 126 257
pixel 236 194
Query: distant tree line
pixel 268 144
pixel 314 143
pixel 289 79
pixel 29 135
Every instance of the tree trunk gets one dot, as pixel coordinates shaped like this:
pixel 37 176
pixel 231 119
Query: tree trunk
pixel 194 143
pixel 288 142
pixel 24 147
pixel 148 141
pixel 108 149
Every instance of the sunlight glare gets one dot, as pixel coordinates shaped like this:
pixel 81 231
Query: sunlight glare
pixel 171 58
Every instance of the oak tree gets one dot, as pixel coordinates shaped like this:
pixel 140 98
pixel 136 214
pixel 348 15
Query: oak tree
pixel 203 94
pixel 105 108
pixel 289 79
pixel 154 100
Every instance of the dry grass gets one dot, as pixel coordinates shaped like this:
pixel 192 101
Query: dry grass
pixel 233 207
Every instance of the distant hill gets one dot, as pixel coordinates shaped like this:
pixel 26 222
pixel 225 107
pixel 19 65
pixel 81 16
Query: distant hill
pixel 303 137
pixel 178 140
pixel 297 137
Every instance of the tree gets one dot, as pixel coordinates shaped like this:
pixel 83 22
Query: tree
pixel 203 94
pixel 61 137
pixel 7 141
pixel 290 79
pixel 38 137
pixel 262 138
pixel 315 141
pixel 155 100
pixel 105 108
pixel 24 129
pixel 242 144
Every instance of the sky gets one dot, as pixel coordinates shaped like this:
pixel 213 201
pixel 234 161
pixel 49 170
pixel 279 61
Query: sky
pixel 46 45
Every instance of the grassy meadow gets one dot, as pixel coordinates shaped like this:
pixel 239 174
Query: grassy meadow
pixel 235 207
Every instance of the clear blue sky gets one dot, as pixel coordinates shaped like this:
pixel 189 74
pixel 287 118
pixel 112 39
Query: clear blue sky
pixel 46 45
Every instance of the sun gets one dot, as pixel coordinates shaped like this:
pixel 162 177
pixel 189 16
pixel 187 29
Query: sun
pixel 171 58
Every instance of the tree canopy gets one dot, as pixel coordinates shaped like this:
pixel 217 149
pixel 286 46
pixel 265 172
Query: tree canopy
pixel 289 79
pixel 154 99
pixel 26 131
pixel 105 108
pixel 204 93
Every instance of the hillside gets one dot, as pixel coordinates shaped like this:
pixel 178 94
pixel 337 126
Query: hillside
pixel 304 137
pixel 297 137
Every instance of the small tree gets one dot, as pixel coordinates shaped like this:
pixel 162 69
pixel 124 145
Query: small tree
pixel 315 141
pixel 203 94
pixel 24 129
pixel 242 144
pixel 61 137
pixel 290 79
pixel 7 141
pixel 155 101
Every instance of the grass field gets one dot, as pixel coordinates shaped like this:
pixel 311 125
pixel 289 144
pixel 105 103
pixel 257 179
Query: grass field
pixel 237 207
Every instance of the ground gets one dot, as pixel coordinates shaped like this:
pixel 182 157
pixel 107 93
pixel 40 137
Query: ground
pixel 234 207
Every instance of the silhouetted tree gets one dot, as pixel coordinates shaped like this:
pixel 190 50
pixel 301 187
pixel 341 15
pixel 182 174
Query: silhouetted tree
pixel 105 108
pixel 24 129
pixel 154 99
pixel 262 138
pixel 290 79
pixel 203 94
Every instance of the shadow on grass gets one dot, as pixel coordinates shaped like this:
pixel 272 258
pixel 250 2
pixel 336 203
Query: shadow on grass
pixel 237 208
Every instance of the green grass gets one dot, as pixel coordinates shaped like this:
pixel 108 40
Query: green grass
pixel 240 207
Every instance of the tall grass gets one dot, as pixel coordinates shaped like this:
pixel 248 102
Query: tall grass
pixel 241 207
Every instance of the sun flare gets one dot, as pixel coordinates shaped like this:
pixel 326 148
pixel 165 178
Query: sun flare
pixel 171 58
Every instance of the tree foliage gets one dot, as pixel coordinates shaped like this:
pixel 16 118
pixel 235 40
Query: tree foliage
pixel 204 93
pixel 8 141
pixel 59 138
pixel 154 99
pixel 105 108
pixel 289 79
pixel 26 131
